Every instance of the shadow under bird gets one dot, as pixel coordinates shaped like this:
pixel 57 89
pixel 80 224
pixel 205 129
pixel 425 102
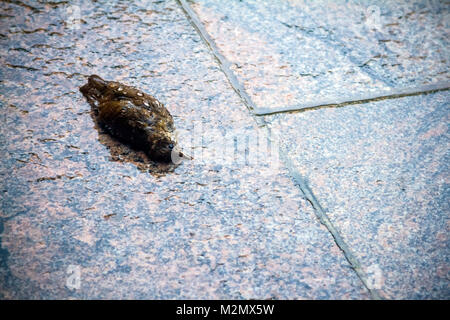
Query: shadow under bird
pixel 133 117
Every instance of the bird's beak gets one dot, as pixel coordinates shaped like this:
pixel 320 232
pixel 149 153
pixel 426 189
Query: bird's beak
pixel 177 156
pixel 186 156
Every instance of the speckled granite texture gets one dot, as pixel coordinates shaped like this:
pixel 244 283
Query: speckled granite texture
pixel 381 172
pixel 378 171
pixel 82 216
pixel 295 52
pixel 223 225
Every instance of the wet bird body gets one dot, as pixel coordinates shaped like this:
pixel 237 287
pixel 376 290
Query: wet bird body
pixel 132 116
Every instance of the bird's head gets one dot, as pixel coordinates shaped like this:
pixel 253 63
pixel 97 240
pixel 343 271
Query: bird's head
pixel 166 149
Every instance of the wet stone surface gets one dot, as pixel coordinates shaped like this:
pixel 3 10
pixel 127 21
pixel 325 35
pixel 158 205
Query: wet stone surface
pixel 289 53
pixel 381 172
pixel 228 224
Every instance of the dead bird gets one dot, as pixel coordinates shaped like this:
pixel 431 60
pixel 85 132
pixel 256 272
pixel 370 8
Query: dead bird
pixel 133 117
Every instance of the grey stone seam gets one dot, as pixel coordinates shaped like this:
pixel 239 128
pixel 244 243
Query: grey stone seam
pixel 323 218
pixel 319 212
pixel 223 62
pixel 358 99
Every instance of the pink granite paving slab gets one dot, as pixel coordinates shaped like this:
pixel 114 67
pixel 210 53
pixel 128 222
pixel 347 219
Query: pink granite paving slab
pixel 79 222
pixel 381 173
pixel 378 171
pixel 296 53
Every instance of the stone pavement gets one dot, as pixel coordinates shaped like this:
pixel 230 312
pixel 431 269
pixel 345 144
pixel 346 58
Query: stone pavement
pixel 330 202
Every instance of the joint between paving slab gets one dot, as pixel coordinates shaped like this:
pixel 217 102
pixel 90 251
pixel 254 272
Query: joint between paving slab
pixel 323 218
pixel 320 213
pixel 360 99
pixel 223 62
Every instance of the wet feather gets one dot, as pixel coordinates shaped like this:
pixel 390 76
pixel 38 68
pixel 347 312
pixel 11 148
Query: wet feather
pixel 132 116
